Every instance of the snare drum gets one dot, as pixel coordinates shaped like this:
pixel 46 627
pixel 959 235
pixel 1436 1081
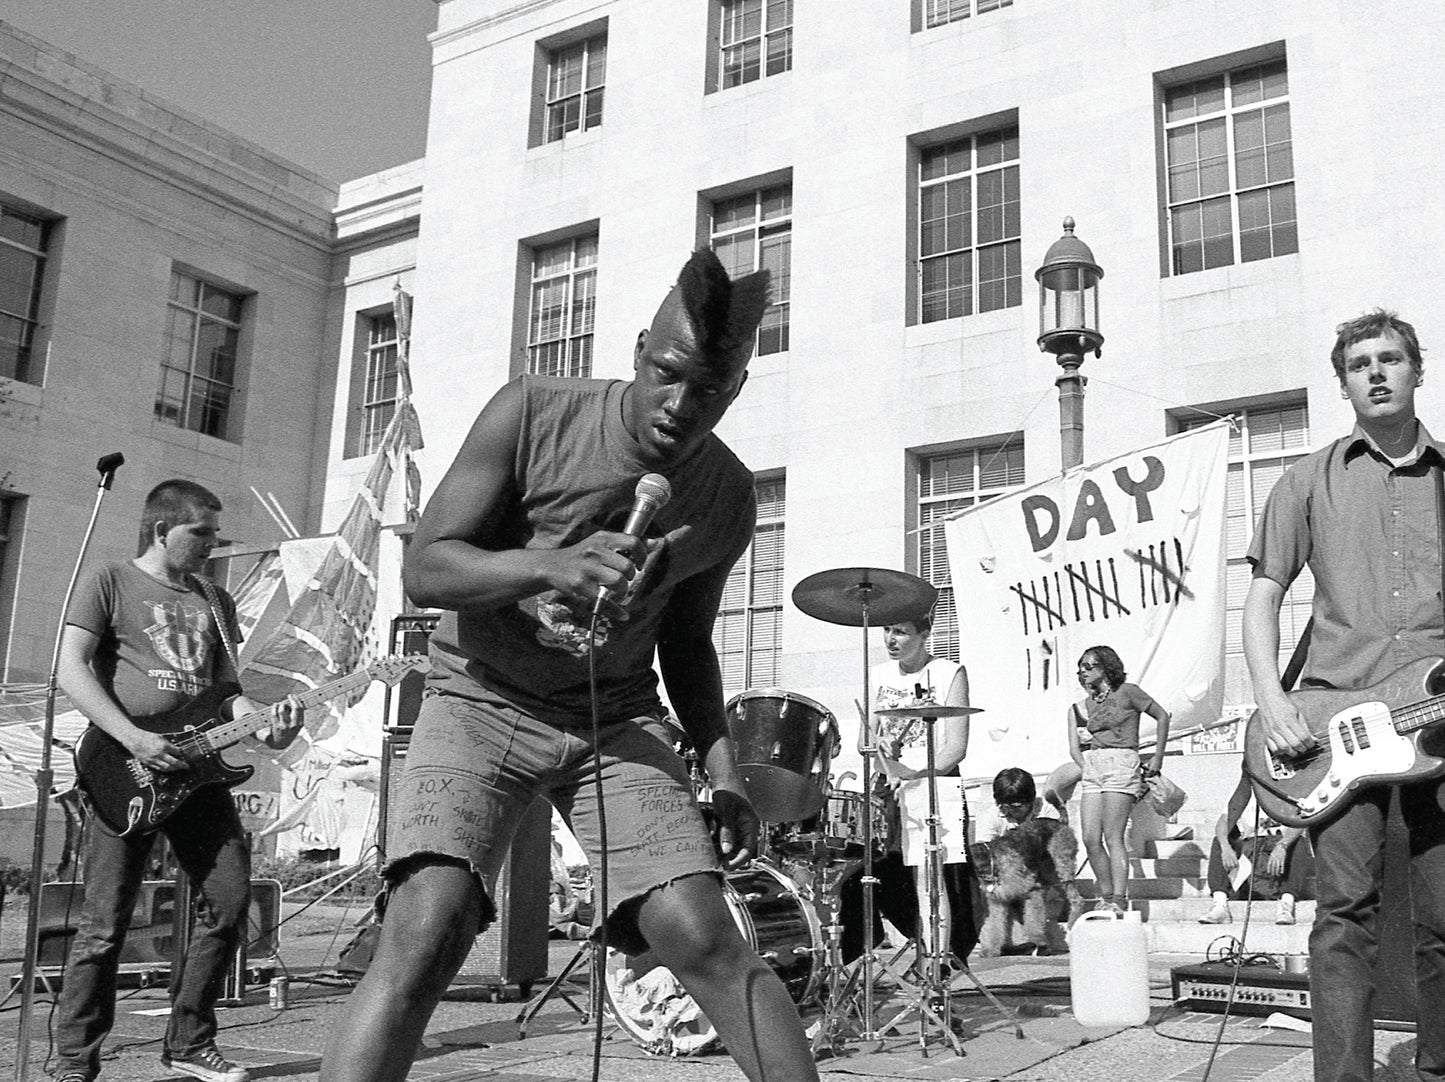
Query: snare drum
pixel 778 921
pixel 785 743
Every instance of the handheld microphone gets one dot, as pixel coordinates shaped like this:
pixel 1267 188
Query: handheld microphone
pixel 651 494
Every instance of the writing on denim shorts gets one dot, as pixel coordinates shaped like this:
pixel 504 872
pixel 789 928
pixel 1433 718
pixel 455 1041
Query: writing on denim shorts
pixel 666 821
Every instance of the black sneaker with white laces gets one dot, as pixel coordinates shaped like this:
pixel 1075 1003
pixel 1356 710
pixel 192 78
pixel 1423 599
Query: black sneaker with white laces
pixel 208 1065
pixel 71 1076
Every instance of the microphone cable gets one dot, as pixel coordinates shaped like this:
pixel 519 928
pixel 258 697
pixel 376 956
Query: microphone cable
pixel 1237 959
pixel 599 896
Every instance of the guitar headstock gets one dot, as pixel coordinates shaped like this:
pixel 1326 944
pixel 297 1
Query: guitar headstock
pixel 390 670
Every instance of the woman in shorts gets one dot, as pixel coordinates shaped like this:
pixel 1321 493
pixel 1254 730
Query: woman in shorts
pixel 1113 775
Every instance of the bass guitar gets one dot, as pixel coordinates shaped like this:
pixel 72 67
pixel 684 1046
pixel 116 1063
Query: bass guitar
pixel 131 798
pixel 1364 737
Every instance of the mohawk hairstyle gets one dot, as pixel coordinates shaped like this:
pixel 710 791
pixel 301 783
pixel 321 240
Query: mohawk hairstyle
pixel 724 313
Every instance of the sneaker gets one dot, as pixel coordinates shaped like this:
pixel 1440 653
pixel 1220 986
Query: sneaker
pixel 1218 914
pixel 1284 913
pixel 1103 905
pixel 208 1065
pixel 72 1076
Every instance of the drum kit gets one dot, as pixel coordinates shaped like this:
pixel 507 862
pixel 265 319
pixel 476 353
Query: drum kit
pixel 787 902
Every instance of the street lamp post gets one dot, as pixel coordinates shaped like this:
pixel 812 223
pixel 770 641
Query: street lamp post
pixel 1069 328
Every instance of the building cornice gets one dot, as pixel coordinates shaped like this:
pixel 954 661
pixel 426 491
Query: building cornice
pixel 396 211
pixel 521 9
pixel 58 93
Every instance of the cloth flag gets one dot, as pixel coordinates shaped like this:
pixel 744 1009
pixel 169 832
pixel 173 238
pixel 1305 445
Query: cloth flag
pixel 1129 553
pixel 326 633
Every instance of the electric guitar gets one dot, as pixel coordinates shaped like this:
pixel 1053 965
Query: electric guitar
pixel 131 798
pixel 1365 737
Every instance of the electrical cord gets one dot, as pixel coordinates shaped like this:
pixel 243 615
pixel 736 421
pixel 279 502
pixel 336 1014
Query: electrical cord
pixel 600 897
pixel 1233 953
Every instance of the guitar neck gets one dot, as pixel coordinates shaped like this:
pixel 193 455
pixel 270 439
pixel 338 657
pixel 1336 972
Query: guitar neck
pixel 229 732
pixel 1417 716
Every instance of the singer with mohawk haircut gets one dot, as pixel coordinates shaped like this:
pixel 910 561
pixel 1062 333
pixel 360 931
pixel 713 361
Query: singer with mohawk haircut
pixel 528 546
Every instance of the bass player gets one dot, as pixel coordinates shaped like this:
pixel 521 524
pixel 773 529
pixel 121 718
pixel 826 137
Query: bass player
pixel 1363 514
pixel 145 637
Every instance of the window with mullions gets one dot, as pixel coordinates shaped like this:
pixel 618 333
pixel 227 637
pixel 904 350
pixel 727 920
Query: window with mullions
pixel 947 482
pixel 198 374
pixel 748 632
pixel 755 231
pixel 1230 169
pixel 968 226
pixel 575 77
pixel 1264 443
pixel 940 12
pixel 756 39
pixel 24 243
pixel 563 308
pixel 378 402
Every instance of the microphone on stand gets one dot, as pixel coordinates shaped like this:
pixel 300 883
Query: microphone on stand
pixel 107 466
pixel 651 495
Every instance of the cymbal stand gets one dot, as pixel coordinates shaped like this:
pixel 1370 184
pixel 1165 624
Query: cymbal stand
pixel 934 993
pixel 933 1001
pixel 868 880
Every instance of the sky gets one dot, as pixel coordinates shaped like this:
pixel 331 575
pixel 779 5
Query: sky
pixel 339 87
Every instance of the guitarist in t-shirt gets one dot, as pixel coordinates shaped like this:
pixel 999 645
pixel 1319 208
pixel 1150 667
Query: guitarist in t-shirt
pixel 1362 513
pixel 144 638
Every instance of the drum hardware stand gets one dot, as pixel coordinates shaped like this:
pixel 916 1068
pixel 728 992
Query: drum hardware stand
pixel 837 992
pixel 850 596
pixel 589 952
pixel 934 1002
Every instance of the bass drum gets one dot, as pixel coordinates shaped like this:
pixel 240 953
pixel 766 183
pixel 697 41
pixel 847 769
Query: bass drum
pixel 776 919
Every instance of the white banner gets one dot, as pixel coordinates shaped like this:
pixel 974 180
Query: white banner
pixel 1128 553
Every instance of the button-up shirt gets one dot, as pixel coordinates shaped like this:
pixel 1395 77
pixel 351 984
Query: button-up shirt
pixel 1369 531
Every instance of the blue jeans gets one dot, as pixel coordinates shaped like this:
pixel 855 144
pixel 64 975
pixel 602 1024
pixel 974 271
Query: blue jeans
pixel 211 847
pixel 1298 877
pixel 1349 858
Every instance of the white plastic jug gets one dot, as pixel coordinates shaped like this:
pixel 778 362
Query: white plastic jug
pixel 1109 969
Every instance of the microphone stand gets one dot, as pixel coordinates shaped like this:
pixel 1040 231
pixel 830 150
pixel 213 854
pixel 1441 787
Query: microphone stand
pixel 45 779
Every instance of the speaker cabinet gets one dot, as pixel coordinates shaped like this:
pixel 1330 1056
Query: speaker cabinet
pixel 156 940
pixel 512 952
pixel 410 634
pixel 394 743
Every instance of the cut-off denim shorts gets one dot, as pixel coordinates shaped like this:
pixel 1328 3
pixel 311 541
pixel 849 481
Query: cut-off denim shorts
pixel 1112 770
pixel 473 768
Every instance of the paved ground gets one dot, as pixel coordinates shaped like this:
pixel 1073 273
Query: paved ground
pixel 474 1038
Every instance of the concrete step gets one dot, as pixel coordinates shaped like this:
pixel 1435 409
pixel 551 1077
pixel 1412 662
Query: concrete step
pixel 1154 887
pixel 1211 940
pixel 1151 868
pixel 1190 909
pixel 1187 848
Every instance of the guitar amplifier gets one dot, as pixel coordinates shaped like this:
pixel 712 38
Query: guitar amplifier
pixel 410 634
pixel 1260 990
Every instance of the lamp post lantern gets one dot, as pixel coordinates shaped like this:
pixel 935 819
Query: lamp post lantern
pixel 1069 328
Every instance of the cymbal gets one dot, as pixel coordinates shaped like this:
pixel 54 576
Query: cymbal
pixel 840 595
pixel 928 710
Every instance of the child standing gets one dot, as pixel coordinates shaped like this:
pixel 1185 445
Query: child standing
pixel 1113 776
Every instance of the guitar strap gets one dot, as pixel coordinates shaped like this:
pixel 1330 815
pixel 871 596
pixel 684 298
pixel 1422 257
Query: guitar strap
pixel 218 614
pixel 1297 659
pixel 1440 526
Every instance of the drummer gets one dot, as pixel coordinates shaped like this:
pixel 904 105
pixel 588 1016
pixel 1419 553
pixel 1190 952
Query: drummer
pixel 912 676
